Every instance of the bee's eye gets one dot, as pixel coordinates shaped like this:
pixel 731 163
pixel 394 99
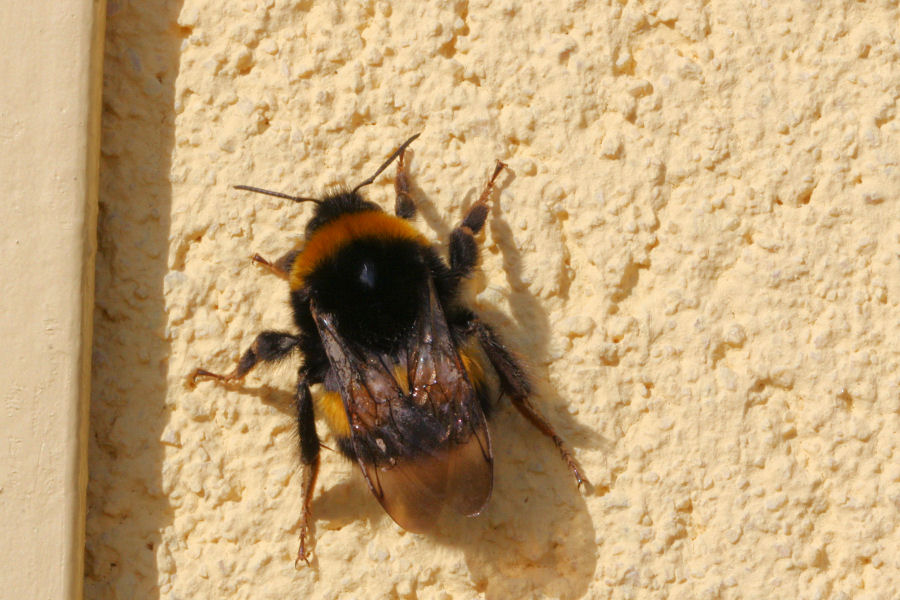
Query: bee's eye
pixel 367 274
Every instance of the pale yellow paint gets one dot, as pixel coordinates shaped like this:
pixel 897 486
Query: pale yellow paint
pixel 695 248
pixel 49 127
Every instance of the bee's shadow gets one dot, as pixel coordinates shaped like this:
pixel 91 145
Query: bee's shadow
pixel 536 531
pixel 347 502
pixel 535 537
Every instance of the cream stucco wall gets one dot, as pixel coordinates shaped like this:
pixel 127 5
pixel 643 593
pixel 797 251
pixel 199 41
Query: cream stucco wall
pixel 49 126
pixel 697 251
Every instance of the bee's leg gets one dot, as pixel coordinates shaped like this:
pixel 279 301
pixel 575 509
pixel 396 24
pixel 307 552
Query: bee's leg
pixel 309 458
pixel 404 207
pixel 514 383
pixel 269 346
pixel 281 267
pixel 463 247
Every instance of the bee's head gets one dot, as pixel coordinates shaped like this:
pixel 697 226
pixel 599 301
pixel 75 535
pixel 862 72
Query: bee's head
pixel 338 203
pixel 335 205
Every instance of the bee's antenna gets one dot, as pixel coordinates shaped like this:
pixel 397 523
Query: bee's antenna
pixel 250 188
pixel 387 163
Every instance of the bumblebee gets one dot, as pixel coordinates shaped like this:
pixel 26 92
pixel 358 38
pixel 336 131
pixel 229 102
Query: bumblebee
pixel 401 359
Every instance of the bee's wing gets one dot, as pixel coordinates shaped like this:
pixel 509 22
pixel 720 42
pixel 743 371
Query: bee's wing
pixel 416 425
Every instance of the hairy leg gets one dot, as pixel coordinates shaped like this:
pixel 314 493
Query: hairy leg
pixel 309 458
pixel 281 267
pixel 463 247
pixel 269 346
pixel 514 383
pixel 404 207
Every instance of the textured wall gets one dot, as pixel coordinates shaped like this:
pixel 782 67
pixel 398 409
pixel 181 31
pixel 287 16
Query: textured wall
pixel 697 251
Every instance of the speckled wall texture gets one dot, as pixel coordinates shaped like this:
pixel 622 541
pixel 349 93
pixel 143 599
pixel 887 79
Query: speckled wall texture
pixel 697 249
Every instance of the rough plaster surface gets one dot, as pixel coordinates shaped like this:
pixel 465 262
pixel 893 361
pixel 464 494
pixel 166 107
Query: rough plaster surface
pixel 697 250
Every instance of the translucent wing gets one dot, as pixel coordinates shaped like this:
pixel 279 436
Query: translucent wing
pixel 416 424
